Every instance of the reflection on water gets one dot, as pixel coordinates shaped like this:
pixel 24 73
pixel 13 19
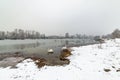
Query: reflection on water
pixel 41 45
pixel 23 46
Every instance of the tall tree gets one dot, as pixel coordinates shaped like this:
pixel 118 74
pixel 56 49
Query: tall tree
pixel 116 33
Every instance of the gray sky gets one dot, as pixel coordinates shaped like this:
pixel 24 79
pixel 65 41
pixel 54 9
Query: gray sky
pixel 60 16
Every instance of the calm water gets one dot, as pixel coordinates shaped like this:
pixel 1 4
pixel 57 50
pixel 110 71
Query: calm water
pixel 40 45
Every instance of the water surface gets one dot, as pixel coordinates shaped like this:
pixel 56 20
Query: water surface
pixel 40 45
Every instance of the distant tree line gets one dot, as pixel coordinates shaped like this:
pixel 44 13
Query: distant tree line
pixel 113 35
pixel 27 34
pixel 21 34
pixel 68 36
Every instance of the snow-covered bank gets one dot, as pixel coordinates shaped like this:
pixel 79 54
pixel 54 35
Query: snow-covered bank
pixel 93 62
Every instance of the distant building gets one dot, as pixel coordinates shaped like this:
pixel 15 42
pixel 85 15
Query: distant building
pixel 67 35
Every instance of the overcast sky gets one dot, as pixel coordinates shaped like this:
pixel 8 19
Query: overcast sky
pixel 61 16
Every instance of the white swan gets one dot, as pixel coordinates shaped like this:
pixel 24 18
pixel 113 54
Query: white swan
pixel 50 51
pixel 63 48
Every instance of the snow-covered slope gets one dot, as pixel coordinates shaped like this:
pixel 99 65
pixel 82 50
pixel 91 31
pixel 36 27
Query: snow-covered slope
pixel 93 62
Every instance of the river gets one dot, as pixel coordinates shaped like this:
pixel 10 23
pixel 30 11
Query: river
pixel 40 45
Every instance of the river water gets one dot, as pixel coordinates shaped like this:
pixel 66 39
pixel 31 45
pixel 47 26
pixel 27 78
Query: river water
pixel 40 45
pixel 37 48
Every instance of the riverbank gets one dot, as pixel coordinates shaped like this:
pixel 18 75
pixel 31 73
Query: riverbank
pixel 22 49
pixel 97 62
pixel 12 59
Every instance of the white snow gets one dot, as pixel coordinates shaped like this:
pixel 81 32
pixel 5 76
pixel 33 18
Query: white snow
pixel 87 63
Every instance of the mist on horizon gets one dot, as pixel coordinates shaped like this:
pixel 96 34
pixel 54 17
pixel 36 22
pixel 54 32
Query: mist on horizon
pixel 58 17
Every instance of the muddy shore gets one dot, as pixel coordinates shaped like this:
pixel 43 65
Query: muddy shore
pixel 12 59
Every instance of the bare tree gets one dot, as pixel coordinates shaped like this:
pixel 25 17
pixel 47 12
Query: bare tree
pixel 116 33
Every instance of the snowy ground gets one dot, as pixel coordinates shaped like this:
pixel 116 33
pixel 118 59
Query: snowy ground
pixel 87 63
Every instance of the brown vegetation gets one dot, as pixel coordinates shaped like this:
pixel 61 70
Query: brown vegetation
pixel 40 62
pixel 64 53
